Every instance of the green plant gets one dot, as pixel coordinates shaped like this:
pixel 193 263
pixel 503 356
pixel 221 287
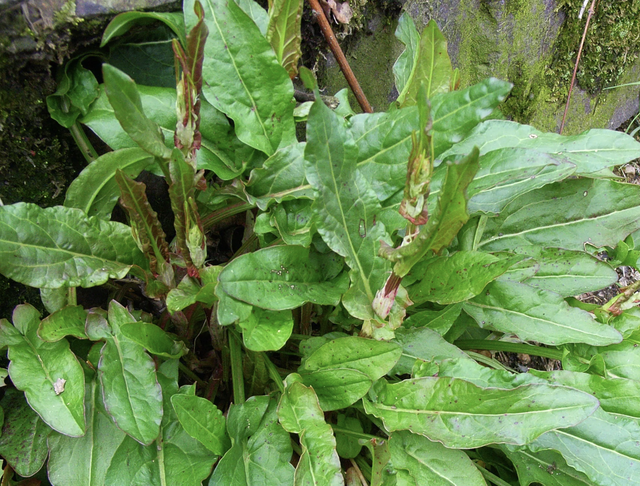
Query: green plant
pixel 374 254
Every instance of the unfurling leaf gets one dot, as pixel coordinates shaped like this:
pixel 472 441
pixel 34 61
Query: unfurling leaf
pixel 283 33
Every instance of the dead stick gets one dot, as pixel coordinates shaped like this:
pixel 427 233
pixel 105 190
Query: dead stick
pixel 592 10
pixel 339 55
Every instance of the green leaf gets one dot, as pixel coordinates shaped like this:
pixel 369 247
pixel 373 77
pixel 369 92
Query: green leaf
pixel 93 250
pixel 23 442
pixel 300 413
pixel 77 89
pixel 258 14
pixel 284 33
pixel 404 66
pixel 380 470
pixel 457 277
pixel 261 447
pixel 68 321
pixel 293 221
pixel 430 463
pixel 422 344
pixel 49 374
pixel 566 215
pixel 345 207
pixel 456 113
pixel 145 225
pixel 565 272
pixel 266 330
pixel 593 151
pixel 438 321
pixel 348 446
pixel 620 360
pixel 203 421
pixel 544 467
pixel 282 177
pixel 537 315
pixel 604 447
pixel 125 100
pixel 231 310
pixel 123 22
pixel 430 65
pixel 373 358
pixel 462 415
pixel 154 339
pixel 84 461
pixel 132 395
pixel 244 78
pixel 95 190
pixel 190 291
pixel 337 388
pixel 284 277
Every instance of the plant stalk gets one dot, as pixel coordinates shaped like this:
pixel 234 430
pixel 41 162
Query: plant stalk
pixel 509 348
pixel 237 378
pixel 339 55
pixel 623 297
pixel 353 433
pixel 359 473
pixel 83 143
pixel 221 214
pixel 273 372
pixel 592 10
pixel 191 374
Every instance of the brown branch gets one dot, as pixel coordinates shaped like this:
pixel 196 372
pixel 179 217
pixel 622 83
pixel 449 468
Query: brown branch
pixel 592 10
pixel 339 55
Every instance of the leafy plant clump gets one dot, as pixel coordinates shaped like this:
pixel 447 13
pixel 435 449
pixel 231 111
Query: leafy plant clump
pixel 336 345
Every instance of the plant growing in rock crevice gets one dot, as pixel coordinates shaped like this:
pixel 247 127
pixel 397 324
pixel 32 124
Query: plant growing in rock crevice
pixel 374 254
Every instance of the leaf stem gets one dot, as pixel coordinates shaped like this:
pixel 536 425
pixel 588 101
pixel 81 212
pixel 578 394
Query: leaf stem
pixel 191 374
pixel 509 347
pixel 359 473
pixel 491 477
pixel 237 378
pixel 72 298
pixel 273 372
pixel 221 214
pixel 329 36
pixel 83 142
pixel 163 474
pixel 353 433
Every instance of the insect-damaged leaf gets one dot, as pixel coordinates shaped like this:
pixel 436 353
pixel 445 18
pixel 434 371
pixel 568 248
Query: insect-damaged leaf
pixel 94 250
pixel 284 277
pixel 345 207
pixel 244 78
pixel 48 373
pixel 283 32
pixel 462 415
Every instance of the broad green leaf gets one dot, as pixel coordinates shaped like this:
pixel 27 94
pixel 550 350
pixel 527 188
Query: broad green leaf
pixel 567 215
pixel 145 225
pixel 380 470
pixel 123 22
pixel 266 330
pixel 261 447
pixel 345 207
pixel 23 442
pixel 94 250
pixel 283 33
pixel 220 152
pixel 406 33
pixel 458 277
pixel 293 221
pixel 337 388
pixel 565 272
pixel 203 421
pixel 300 413
pixel 284 277
pixel 604 447
pixel 438 321
pixel 485 377
pixel 154 339
pixel 592 152
pixel 231 310
pixel 132 395
pixel 244 78
pixel 616 395
pixel 125 100
pixel 190 291
pixel 544 467
pixel 422 344
pixel 77 89
pixel 462 415
pixel 258 14
pixel 620 360
pixel 54 299
pixel 430 463
pixel 68 321
pixel 281 177
pixel 505 174
pixel 456 113
pixel 84 461
pixel 371 357
pixel 348 446
pixel 430 65
pixel 628 322
pixel 95 190
pixel 49 374
pixel 537 315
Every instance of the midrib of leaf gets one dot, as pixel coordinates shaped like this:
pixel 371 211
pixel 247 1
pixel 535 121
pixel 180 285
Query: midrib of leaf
pixel 414 67
pixel 148 229
pixel 194 418
pixel 344 221
pixel 415 411
pixel 94 413
pixel 420 461
pixel 557 225
pixel 432 63
pixel 161 468
pixel 233 61
pixel 524 452
pixel 510 311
